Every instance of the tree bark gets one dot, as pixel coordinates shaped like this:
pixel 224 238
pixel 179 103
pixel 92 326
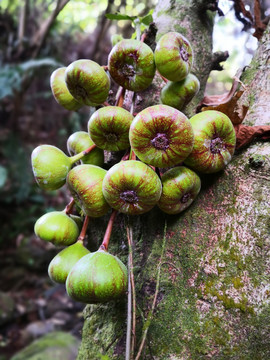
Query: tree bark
pixel 213 291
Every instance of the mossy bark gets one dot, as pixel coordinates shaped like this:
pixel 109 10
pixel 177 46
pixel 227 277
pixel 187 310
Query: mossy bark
pixel 213 296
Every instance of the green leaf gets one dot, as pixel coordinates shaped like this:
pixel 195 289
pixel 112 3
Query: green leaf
pixel 3 176
pixel 147 19
pixel 118 16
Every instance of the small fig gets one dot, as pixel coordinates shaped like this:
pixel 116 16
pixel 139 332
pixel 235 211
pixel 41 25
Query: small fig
pixel 109 127
pixel 85 184
pixel 161 136
pixel 57 227
pixel 60 90
pixel 80 141
pixel 88 82
pixel 131 187
pixel 178 94
pixel 180 186
pixel 214 142
pixel 173 56
pixel 131 64
pixel 97 278
pixel 63 262
pixel 50 166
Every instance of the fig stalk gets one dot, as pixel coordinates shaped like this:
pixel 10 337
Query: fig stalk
pixel 69 207
pixel 84 229
pixel 79 156
pixel 106 239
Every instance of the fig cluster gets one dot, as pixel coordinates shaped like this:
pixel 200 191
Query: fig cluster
pixel 165 152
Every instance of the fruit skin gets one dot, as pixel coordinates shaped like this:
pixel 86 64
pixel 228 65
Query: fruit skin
pixel 214 142
pixel 80 141
pixel 97 278
pixel 161 136
pixel 57 227
pixel 109 127
pixel 131 187
pixel 85 184
pixel 87 82
pixel 131 64
pixel 63 262
pixel 178 94
pixel 173 56
pixel 60 90
pixel 180 186
pixel 50 166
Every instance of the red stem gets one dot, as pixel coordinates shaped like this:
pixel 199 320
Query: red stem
pixel 69 207
pixel 106 239
pixel 84 228
pixel 143 37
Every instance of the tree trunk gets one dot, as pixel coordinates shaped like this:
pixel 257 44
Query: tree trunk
pixel 213 292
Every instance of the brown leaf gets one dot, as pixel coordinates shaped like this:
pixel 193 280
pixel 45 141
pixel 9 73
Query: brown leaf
pixel 245 134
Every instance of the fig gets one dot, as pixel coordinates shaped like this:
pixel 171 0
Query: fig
pixel 161 136
pixel 180 186
pixel 85 184
pixel 60 90
pixel 109 127
pixel 87 82
pixel 97 278
pixel 214 142
pixel 50 166
pixel 173 56
pixel 178 94
pixel 57 227
pixel 131 64
pixel 63 262
pixel 131 187
pixel 80 141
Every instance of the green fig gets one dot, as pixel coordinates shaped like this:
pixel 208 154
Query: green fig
pixel 57 227
pixel 50 166
pixel 88 82
pixel 97 278
pixel 80 141
pixel 60 90
pixel 85 184
pixel 62 263
pixel 109 127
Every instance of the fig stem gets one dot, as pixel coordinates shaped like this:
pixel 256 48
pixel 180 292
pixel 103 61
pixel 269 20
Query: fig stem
pixel 69 206
pixel 162 77
pixel 84 229
pixel 79 156
pixel 138 29
pixel 119 100
pixel 106 239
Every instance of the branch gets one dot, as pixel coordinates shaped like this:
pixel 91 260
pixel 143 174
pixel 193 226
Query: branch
pixel 217 58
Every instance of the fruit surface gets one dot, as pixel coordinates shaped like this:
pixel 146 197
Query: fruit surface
pixel 180 186
pixel 80 141
pixel 173 56
pixel 178 94
pixel 60 90
pixel 63 262
pixel 131 64
pixel 161 136
pixel 96 278
pixel 85 184
pixel 50 166
pixel 87 82
pixel 131 187
pixel 214 142
pixel 109 127
pixel 57 227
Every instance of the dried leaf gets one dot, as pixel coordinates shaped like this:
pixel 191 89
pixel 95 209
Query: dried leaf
pixel 246 134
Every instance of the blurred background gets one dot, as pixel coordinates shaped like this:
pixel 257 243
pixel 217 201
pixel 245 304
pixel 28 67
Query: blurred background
pixel 36 37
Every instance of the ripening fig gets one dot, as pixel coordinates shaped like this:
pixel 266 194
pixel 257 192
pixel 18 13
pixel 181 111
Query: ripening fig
pixel 131 64
pixel 109 127
pixel 60 90
pixel 97 278
pixel 88 82
pixel 214 142
pixel 161 136
pixel 63 262
pixel 80 141
pixel 178 94
pixel 57 227
pixel 173 56
pixel 131 187
pixel 180 186
pixel 50 166
pixel 85 184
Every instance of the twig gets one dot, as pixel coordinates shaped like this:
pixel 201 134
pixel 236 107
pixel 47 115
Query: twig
pixel 151 312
